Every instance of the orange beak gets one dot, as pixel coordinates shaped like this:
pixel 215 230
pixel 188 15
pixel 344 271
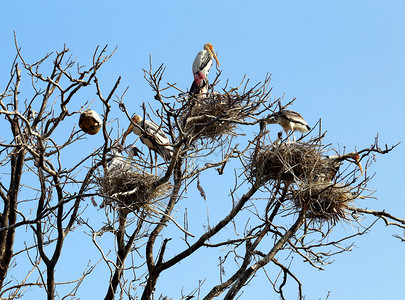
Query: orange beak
pixel 357 159
pixel 216 59
pixel 128 131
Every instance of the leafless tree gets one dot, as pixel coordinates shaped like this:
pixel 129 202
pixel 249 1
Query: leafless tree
pixel 286 196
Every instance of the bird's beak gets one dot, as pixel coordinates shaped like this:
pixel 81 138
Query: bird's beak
pixel 357 158
pixel 126 133
pixel 215 56
pixel 216 59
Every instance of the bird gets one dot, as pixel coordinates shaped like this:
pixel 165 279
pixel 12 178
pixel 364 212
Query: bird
pixel 201 67
pixel 151 135
pixel 289 120
pixel 352 157
pixel 90 122
pixel 332 163
pixel 117 163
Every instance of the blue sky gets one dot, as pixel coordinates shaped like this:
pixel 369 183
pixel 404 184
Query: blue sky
pixel 343 61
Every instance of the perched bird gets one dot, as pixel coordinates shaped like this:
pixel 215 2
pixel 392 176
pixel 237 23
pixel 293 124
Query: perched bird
pixel 118 163
pixel 90 122
pixel 152 136
pixel 289 120
pixel 201 67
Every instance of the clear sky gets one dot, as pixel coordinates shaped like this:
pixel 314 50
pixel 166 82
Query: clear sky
pixel 344 61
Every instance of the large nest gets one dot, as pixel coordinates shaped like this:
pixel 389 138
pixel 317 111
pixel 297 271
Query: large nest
pixel 214 115
pixel 288 161
pixel 322 202
pixel 129 190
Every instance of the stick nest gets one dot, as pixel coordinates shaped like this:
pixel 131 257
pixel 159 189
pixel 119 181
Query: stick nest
pixel 322 202
pixel 288 161
pixel 128 190
pixel 214 115
pixel 311 178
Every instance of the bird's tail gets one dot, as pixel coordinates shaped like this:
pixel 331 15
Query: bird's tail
pixel 166 152
pixel 195 89
pixel 198 90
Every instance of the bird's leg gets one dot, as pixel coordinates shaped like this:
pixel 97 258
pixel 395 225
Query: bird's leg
pixel 294 139
pixel 155 163
pixel 151 161
pixel 288 136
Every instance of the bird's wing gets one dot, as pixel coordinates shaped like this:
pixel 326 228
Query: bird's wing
pixel 206 62
pixel 203 61
pixel 293 116
pixel 153 129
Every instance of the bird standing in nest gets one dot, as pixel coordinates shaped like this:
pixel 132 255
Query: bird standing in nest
pixel 201 67
pixel 151 135
pixel 90 122
pixel 289 120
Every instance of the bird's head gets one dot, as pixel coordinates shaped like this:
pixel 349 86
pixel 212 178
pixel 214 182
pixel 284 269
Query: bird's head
pixel 136 119
pixel 272 118
pixel 134 151
pixel 356 158
pixel 210 49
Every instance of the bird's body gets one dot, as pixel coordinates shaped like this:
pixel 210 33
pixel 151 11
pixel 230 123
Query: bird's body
pixel 290 121
pixel 90 122
pixel 201 67
pixel 152 136
pixel 118 163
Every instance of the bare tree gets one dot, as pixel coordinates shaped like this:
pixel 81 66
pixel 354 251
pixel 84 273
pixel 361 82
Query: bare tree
pixel 286 196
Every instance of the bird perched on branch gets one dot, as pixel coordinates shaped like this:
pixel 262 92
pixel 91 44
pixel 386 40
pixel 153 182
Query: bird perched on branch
pixel 289 120
pixel 90 122
pixel 201 67
pixel 151 135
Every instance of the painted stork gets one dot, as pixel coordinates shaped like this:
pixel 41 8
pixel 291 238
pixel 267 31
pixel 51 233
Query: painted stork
pixel 289 120
pixel 90 122
pixel 352 157
pixel 201 67
pixel 152 136
pixel 118 163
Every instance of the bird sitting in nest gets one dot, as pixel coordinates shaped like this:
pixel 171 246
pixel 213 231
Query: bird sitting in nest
pixel 118 163
pixel 288 119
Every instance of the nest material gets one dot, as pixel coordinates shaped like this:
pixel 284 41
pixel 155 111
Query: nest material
pixel 310 175
pixel 212 116
pixel 288 161
pixel 322 202
pixel 127 190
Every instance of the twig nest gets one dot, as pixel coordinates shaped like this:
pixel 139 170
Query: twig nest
pixel 213 115
pixel 90 122
pixel 322 202
pixel 287 161
pixel 129 190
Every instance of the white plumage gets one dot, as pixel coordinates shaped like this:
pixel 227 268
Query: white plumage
pixel 289 120
pixel 118 163
pixel 152 136
pixel 201 67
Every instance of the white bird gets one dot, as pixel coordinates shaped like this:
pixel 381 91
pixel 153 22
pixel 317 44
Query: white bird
pixel 152 136
pixel 289 120
pixel 118 163
pixel 90 122
pixel 201 67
